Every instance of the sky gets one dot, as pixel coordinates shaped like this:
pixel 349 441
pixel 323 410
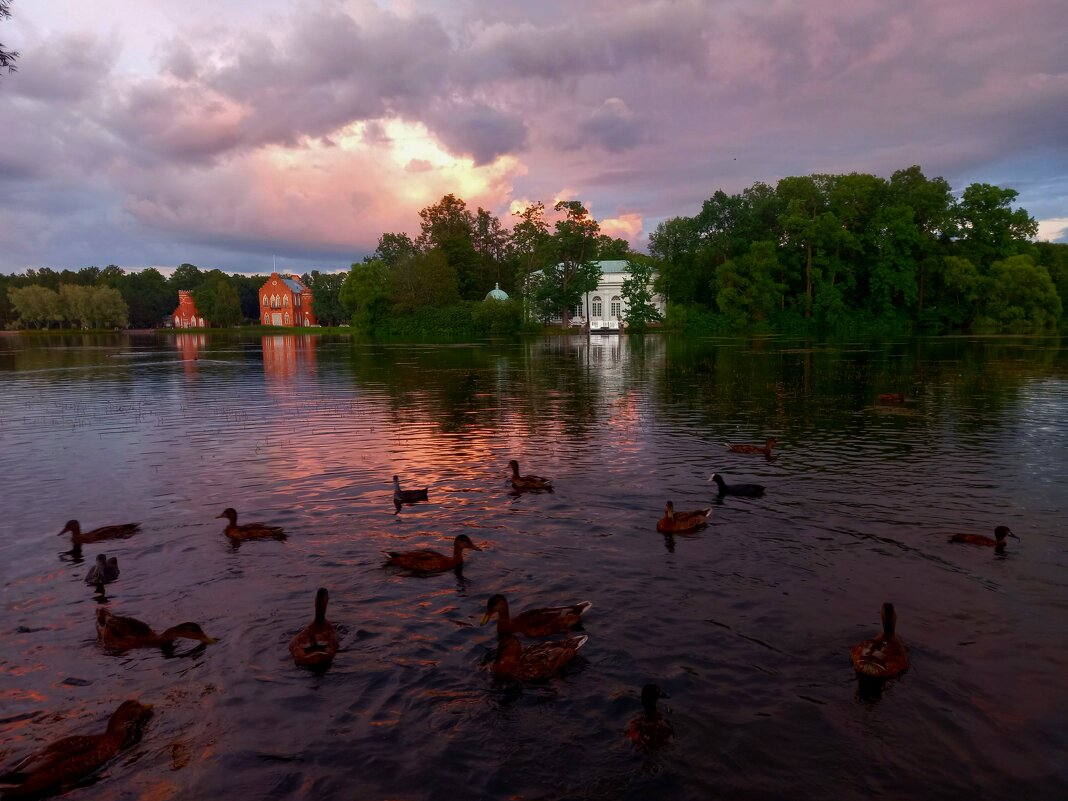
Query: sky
pixel 241 136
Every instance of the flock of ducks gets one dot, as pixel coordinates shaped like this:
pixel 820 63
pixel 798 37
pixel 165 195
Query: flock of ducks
pixel 65 762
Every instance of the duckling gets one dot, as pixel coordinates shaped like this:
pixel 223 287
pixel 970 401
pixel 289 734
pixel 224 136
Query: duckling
pixel 316 645
pixel 884 656
pixel 116 532
pixel 249 531
pixel 104 571
pixel 741 490
pixel 426 561
pixel 533 622
pixel 650 731
pixel 123 633
pixel 406 496
pixel 62 764
pixel 536 662
pixel 737 447
pixel 680 522
pixel 999 542
pixel 530 483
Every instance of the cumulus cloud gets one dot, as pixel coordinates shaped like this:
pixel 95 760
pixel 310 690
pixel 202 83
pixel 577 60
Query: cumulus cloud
pixel 322 125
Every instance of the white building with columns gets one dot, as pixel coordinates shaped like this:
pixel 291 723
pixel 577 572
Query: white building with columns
pixel 605 308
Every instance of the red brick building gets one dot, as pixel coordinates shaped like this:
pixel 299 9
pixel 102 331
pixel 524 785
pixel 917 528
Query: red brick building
pixel 285 301
pixel 186 315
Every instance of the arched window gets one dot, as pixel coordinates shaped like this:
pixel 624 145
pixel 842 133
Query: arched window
pixel 177 321
pixel 597 309
pixel 307 321
pixel 201 322
pixel 287 318
pixel 285 301
pixel 266 319
pixel 616 306
pixel 265 301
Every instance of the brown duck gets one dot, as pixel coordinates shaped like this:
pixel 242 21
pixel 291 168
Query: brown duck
pixel 249 531
pixel 680 522
pixel 530 482
pixel 882 657
pixel 741 447
pixel 317 644
pixel 533 622
pixel 124 633
pixel 650 730
pixel 62 764
pixel 536 662
pixel 116 532
pixel 998 542
pixel 427 561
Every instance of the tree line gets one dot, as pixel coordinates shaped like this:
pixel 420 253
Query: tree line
pixel 818 252
pixel 834 251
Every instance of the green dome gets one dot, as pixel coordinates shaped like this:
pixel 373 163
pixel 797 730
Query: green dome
pixel 497 293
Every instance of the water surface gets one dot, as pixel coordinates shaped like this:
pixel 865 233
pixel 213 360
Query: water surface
pixel 746 624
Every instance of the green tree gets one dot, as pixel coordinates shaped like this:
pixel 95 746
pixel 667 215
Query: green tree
pixel 1020 297
pixel 326 304
pixel 186 276
pixel 393 249
pixel 365 295
pixel 148 297
pixel 1054 257
pixel 530 246
pixel 612 249
pixel 931 201
pixel 427 279
pixel 217 300
pixel 7 57
pixel 674 245
pixel 36 306
pixel 806 223
pixel 748 290
pixel 989 228
pixel 449 227
pixel 576 272
pixel 637 292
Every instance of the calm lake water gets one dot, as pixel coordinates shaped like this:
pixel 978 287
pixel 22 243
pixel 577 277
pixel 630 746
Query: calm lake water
pixel 747 624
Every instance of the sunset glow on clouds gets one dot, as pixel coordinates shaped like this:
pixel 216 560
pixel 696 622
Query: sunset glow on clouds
pixel 144 133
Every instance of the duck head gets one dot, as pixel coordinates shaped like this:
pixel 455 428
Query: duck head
pixel 322 598
pixel 889 618
pixel 230 514
pixel 73 527
pixel 495 605
pixel 1001 532
pixel 651 693
pixel 669 510
pixel 462 541
pixel 129 721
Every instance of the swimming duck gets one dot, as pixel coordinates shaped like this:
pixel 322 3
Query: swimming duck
pixel 62 764
pixel 650 730
pixel 533 622
pixel 104 571
pixel 738 447
pixel 123 633
pixel 427 561
pixel 316 645
pixel 116 532
pixel 529 482
pixel 680 522
pixel 406 496
pixel 536 662
pixel 999 541
pixel 741 490
pixel 249 531
pixel 884 656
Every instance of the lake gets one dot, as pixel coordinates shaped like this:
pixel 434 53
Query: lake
pixel 747 624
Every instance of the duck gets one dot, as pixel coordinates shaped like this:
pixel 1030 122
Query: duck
pixel 884 656
pixel 528 482
pixel 533 622
pixel 116 532
pixel 315 646
pixel 406 496
pixel 539 661
pixel 680 522
pixel 124 633
pixel 739 447
pixel 249 531
pixel 60 766
pixel 999 541
pixel 427 561
pixel 650 730
pixel 741 490
pixel 104 571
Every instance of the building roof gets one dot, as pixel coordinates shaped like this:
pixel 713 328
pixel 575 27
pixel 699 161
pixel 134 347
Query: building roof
pixel 293 284
pixel 615 266
pixel 497 293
